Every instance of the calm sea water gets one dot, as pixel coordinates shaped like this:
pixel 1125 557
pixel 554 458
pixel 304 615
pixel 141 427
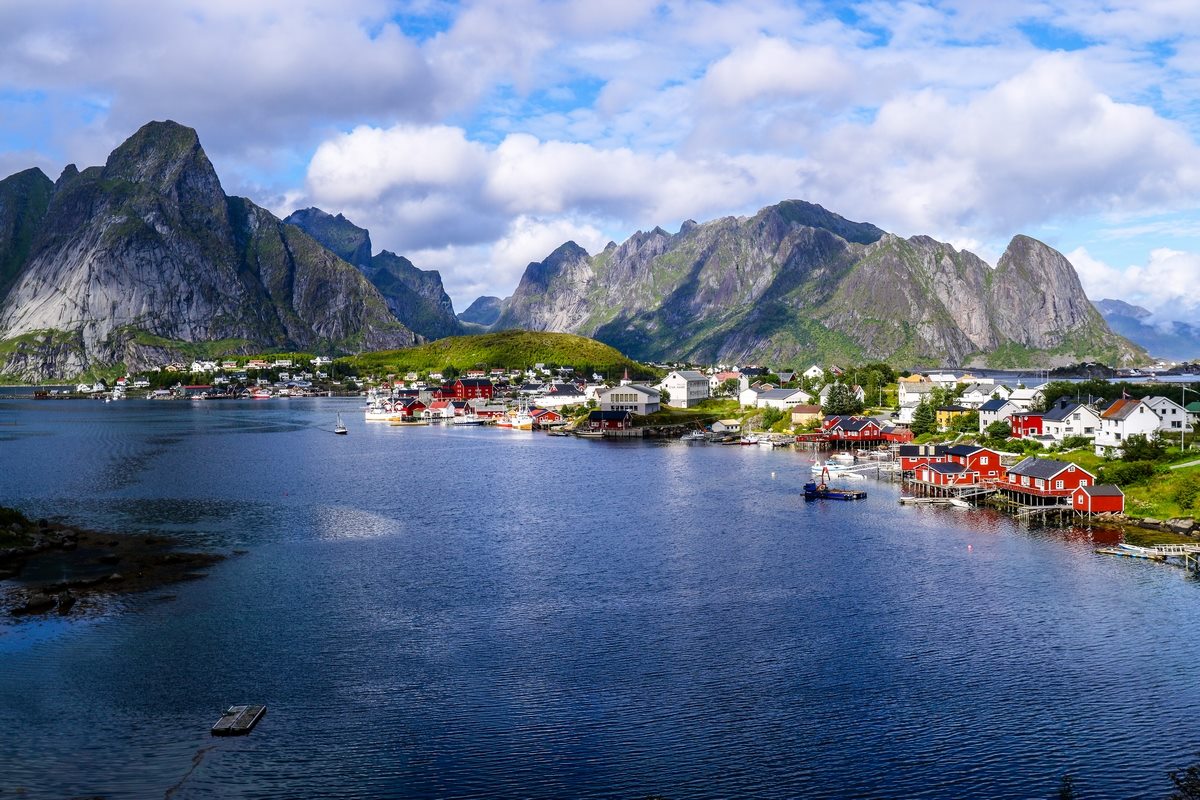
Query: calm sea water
pixel 456 612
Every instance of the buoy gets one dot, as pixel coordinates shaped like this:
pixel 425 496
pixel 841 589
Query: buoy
pixel 772 476
pixel 969 548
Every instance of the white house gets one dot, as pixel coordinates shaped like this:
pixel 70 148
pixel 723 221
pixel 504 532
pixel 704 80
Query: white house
pixel 727 426
pixel 943 379
pixel 685 387
pixel 977 394
pixel 995 411
pixel 1068 418
pixel 782 398
pixel 1122 419
pixel 813 373
pixel 635 397
pixel 910 394
pixel 1027 397
pixel 1172 417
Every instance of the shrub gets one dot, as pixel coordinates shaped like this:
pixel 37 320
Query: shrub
pixel 1140 448
pixel 1187 491
pixel 1073 442
pixel 1124 473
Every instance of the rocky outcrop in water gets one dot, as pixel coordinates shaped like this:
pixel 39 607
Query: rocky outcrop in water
pixel 147 253
pixel 797 282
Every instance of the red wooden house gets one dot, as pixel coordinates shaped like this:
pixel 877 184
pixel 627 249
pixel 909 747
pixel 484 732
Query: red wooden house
pixel 1046 478
pixel 914 455
pixel 947 474
pixel 610 420
pixel 1026 423
pixel 895 433
pixel 472 388
pixel 981 460
pixel 1102 499
pixel 857 429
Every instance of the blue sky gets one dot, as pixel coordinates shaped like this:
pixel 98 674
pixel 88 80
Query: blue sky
pixel 475 137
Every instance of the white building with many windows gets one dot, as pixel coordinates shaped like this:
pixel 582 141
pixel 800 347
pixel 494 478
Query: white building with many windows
pixel 685 387
pixel 633 397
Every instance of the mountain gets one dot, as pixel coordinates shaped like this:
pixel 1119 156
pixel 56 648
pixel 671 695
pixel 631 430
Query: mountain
pixel 415 296
pixel 797 282
pixel 484 311
pixel 133 261
pixel 1175 341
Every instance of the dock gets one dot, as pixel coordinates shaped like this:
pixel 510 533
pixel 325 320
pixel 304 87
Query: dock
pixel 1181 555
pixel 238 720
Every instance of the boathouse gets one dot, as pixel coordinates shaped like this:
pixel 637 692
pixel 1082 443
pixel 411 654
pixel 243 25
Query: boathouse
pixel 472 388
pixel 947 474
pixel 914 455
pixel 1102 499
pixel 1045 478
pixel 981 460
pixel 610 420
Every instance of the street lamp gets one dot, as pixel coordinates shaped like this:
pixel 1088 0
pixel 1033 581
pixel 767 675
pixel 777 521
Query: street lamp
pixel 1183 390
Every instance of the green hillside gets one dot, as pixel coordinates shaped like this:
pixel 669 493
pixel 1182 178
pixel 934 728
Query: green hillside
pixel 513 349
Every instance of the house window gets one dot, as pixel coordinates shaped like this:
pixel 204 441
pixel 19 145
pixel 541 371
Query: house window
pixel 1058 484
pixel 1040 483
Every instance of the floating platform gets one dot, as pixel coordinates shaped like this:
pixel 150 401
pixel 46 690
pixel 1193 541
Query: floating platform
pixel 814 491
pixel 238 720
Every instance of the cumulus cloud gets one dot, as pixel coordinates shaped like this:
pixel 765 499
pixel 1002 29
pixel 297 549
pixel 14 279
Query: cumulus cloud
pixel 1165 285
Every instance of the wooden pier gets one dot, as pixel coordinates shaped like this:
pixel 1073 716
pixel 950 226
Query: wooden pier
pixel 1181 555
pixel 238 720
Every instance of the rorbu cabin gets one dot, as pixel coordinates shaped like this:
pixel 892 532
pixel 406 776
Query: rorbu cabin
pixel 1104 498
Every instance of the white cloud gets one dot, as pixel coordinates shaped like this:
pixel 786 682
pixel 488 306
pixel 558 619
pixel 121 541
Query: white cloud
pixel 1165 285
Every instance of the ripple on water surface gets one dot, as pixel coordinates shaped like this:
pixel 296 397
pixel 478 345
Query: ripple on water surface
pixel 439 612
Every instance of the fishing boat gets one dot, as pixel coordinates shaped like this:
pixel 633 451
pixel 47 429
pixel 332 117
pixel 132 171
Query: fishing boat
pixel 261 394
pixel 340 427
pixel 693 436
pixel 468 419
pixel 823 491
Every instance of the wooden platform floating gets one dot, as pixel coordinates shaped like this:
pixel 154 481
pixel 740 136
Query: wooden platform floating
pixel 238 720
pixel 814 491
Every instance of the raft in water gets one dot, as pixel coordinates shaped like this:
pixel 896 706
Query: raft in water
pixel 820 491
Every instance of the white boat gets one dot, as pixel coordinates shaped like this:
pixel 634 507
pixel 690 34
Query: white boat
pixel 340 427
pixel 468 419
pixel 693 436
pixel 841 458
pixel 958 502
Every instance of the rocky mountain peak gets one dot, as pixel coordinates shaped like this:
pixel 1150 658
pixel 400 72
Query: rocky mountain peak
pixel 350 242
pixel 163 156
pixel 811 215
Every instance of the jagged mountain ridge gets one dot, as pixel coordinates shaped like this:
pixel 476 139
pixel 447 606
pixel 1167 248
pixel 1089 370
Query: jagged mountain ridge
pixel 148 251
pixel 415 296
pixel 797 281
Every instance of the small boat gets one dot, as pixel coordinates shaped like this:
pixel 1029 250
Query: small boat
pixel 468 419
pixel 693 436
pixel 340 427
pixel 958 502
pixel 823 491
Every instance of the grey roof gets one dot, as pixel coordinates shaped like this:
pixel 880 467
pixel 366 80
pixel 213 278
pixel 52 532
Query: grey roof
pixel 1103 490
pixel 947 467
pixel 915 450
pixel 597 416
pixel 692 375
pixel 641 387
pixel 1044 468
pixel 778 394
pixel 965 449
pixel 1061 411
pixel 918 388
pixel 993 405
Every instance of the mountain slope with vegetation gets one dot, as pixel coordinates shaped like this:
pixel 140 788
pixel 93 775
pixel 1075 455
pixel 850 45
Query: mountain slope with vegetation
pixel 149 248
pixel 797 282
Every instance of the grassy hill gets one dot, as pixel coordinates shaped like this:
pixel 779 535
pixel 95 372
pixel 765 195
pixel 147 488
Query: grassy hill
pixel 505 350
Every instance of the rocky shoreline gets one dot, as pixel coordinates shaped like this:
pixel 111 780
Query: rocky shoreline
pixel 48 568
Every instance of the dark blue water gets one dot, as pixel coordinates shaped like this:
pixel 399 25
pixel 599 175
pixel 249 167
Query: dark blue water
pixel 457 612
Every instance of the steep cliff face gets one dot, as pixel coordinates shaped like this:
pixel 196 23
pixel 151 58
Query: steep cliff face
pixel 349 242
pixel 148 247
pixel 24 198
pixel 797 281
pixel 483 311
pixel 415 296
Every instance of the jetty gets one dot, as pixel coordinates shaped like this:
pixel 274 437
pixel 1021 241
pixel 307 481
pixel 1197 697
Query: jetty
pixel 1181 555
pixel 238 720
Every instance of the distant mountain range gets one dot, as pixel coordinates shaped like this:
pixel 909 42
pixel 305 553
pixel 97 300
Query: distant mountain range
pixel 146 260
pixel 1174 341
pixel 796 282
pixel 139 260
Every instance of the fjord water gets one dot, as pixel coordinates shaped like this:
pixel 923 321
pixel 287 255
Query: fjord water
pixel 464 612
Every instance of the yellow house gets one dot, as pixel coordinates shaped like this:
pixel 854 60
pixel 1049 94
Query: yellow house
pixel 914 379
pixel 947 414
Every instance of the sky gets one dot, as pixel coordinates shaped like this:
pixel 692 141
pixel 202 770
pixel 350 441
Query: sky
pixel 475 137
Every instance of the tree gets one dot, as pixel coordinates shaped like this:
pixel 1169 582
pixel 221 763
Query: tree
pixel 664 397
pixel 998 430
pixel 729 386
pixel 1140 448
pixel 924 419
pixel 966 423
pixel 841 401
